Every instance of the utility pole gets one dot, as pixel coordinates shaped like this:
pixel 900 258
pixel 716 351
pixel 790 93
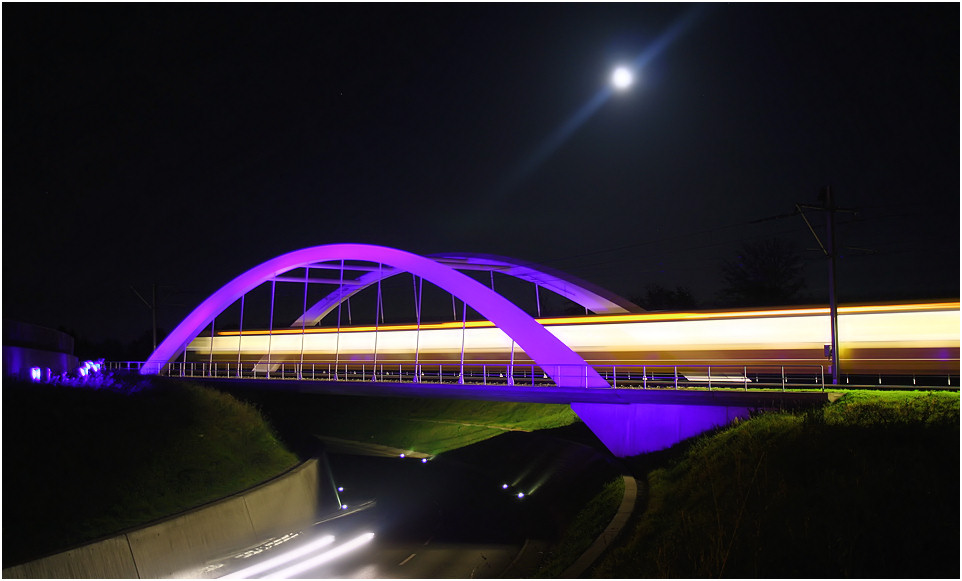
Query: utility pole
pixel 153 306
pixel 828 205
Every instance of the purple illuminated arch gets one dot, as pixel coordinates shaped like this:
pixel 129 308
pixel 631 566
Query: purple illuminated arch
pixel 596 299
pixel 562 364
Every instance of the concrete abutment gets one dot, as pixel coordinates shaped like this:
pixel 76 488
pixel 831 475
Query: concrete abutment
pixel 629 429
pixel 170 547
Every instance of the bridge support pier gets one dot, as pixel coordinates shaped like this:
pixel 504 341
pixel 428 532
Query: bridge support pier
pixel 636 428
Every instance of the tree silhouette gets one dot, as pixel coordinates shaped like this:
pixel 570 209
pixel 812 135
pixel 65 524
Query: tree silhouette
pixel 764 273
pixel 660 298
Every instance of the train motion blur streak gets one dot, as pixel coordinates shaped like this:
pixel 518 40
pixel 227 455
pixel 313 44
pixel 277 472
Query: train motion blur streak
pixel 916 338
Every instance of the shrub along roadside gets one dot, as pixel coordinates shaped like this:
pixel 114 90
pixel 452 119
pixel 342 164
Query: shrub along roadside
pixel 80 463
pixel 865 487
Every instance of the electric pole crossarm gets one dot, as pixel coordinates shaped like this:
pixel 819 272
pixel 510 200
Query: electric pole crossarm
pixel 812 230
pixel 139 296
pixel 152 305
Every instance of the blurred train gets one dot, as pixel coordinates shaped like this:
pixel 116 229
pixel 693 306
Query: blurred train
pixel 905 339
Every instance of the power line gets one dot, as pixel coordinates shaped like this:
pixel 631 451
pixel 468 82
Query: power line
pixel 684 235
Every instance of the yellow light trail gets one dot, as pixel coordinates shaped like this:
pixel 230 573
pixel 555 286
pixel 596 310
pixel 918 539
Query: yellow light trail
pixel 627 318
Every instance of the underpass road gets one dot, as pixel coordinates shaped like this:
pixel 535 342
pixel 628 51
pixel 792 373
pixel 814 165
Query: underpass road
pixel 379 559
pixel 460 515
pixel 382 560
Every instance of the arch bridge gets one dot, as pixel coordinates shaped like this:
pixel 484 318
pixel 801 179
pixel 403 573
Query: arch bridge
pixel 626 426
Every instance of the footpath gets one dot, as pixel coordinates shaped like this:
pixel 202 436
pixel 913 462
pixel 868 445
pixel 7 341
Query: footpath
pixel 532 553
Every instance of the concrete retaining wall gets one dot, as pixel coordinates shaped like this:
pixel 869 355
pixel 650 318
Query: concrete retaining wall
pixel 172 546
pixel 36 337
pixel 17 361
pixel 26 346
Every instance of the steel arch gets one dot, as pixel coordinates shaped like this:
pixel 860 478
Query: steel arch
pixel 592 297
pixel 563 365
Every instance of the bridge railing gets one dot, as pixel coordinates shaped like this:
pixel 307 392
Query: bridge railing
pixel 626 376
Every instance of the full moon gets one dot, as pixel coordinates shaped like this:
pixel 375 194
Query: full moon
pixel 622 78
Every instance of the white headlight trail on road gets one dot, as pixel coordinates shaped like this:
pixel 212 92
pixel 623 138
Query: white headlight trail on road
pixel 322 558
pixel 281 559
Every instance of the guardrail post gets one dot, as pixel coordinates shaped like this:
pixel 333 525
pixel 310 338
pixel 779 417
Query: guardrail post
pixel 745 376
pixel 676 377
pixel 614 376
pixel 709 378
pixel 783 378
pixel 644 377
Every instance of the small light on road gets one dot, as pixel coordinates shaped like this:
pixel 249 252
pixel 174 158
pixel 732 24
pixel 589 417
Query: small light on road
pixel 520 495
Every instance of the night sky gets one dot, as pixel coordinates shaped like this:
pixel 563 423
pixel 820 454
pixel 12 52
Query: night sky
pixel 183 145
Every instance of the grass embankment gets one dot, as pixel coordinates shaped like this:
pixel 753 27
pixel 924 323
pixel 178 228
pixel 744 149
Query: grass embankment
pixel 865 487
pixel 80 463
pixel 431 426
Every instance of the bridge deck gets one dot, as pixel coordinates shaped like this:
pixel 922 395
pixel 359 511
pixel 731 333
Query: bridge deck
pixel 767 399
